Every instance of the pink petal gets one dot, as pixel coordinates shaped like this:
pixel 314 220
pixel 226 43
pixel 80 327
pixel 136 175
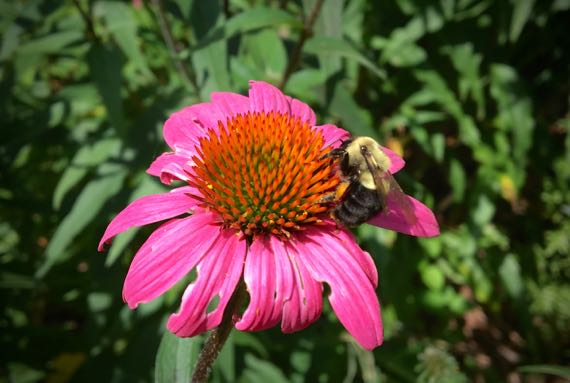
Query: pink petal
pixel 149 209
pixel 269 278
pixel 169 167
pixel 333 135
pixel 218 274
pixel 169 254
pixel 397 162
pixel 302 110
pixel 352 297
pixel 348 241
pixel 306 303
pixel 264 97
pixel 421 223
pixel 230 104
pixel 183 129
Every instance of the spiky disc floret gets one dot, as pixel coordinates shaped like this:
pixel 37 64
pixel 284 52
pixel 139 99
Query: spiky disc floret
pixel 264 173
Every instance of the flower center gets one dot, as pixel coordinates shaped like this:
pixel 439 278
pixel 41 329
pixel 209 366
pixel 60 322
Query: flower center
pixel 264 173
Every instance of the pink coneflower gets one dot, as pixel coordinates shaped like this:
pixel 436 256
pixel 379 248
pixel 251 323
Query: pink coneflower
pixel 256 175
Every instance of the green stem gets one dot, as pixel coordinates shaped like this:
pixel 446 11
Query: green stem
pixel 187 75
pixel 218 337
pixel 306 32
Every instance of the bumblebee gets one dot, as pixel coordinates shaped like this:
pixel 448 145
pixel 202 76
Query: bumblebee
pixel 367 184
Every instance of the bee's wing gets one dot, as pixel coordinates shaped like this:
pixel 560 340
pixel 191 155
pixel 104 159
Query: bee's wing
pixel 388 189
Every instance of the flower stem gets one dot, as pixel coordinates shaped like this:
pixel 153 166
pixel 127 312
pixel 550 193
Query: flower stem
pixel 306 32
pixel 218 337
pixel 187 75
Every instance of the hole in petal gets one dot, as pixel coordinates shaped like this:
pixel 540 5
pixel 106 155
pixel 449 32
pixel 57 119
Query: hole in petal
pixel 213 305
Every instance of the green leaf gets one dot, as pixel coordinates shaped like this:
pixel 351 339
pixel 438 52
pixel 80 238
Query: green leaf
pixel 433 277
pixel 85 209
pixel 522 10
pixel 121 24
pixel 329 24
pixel 468 63
pixel 335 47
pixel 105 66
pixel 265 52
pixel 260 371
pixel 86 158
pixel 457 180
pixel 250 20
pixel 561 371
pixel 354 119
pixel 52 43
pixel 436 85
pixel 510 272
pixel 176 358
pixel 211 65
pixel 438 144
pixel 515 112
pixel 483 211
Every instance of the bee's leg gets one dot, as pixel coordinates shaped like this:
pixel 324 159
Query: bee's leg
pixel 328 198
pixel 335 153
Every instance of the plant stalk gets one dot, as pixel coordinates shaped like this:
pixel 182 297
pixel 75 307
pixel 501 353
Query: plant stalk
pixel 217 338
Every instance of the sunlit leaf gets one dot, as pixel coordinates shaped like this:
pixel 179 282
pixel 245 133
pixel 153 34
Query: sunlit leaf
pixel 84 210
pixel 329 46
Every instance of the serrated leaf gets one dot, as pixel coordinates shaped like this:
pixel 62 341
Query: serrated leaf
pixel 84 210
pixel 335 47
pixel 176 358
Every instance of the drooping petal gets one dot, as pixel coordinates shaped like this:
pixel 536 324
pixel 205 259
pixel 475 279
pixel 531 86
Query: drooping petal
pixel 302 110
pixel 218 274
pixel 230 104
pixel 169 254
pixel 422 223
pixel 352 297
pixel 270 280
pixel 169 167
pixel 149 209
pixel 348 242
pixel 397 162
pixel 264 97
pixel 333 135
pixel 306 303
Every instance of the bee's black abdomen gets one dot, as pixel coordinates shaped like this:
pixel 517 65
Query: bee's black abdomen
pixel 360 205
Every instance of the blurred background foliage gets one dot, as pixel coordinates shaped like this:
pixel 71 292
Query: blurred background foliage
pixel 474 94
